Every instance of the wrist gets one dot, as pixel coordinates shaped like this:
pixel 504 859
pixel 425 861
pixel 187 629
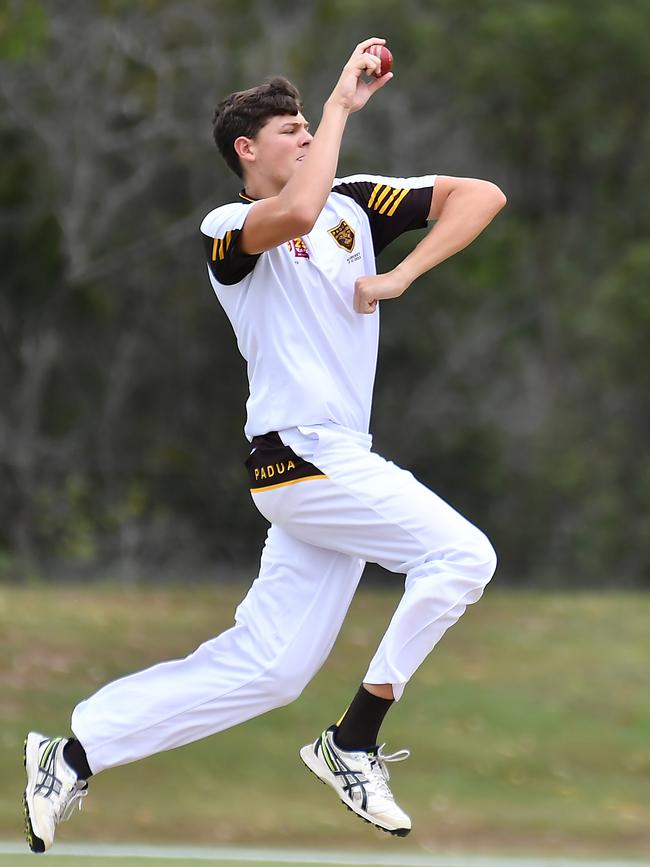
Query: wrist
pixel 335 107
pixel 405 275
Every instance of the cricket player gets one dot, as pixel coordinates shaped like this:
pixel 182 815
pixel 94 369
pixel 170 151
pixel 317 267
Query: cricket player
pixel 292 263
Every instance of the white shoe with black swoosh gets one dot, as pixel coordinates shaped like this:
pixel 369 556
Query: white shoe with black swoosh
pixel 53 790
pixel 360 779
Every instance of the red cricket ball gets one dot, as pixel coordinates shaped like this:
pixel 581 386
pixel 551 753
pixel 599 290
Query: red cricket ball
pixel 384 56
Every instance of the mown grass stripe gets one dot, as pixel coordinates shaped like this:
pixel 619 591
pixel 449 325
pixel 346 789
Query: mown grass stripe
pixel 306 856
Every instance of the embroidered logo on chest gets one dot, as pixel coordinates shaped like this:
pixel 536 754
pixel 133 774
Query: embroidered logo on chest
pixel 343 234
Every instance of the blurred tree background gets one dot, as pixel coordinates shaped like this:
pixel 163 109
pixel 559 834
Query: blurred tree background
pixel 513 379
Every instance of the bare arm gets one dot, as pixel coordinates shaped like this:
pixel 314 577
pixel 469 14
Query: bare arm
pixel 462 207
pixel 295 209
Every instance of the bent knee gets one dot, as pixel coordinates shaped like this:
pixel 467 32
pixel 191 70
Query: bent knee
pixel 473 558
pixel 480 558
pixel 283 688
pixel 290 691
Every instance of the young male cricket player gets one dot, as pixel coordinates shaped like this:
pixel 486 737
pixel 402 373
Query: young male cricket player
pixel 293 265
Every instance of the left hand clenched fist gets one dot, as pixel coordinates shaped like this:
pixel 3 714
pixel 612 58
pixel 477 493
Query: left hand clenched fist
pixel 369 290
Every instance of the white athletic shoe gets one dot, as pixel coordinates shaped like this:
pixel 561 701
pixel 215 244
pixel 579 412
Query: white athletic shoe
pixel 52 792
pixel 360 779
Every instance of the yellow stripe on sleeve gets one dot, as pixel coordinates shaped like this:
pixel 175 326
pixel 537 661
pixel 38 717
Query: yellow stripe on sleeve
pixel 389 200
pixel 374 193
pixel 396 203
pixel 214 249
pixel 381 197
pixel 221 253
pixel 228 238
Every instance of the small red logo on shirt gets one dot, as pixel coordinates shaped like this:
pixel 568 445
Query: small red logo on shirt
pixel 299 248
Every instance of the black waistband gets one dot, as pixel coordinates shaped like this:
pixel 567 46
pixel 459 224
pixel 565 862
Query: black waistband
pixel 269 440
pixel 271 463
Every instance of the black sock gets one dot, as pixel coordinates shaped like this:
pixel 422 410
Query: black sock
pixel 359 728
pixel 75 756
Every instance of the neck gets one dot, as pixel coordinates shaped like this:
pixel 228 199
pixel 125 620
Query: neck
pixel 262 188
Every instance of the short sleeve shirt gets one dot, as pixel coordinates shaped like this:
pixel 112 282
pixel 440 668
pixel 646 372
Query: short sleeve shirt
pixel 310 357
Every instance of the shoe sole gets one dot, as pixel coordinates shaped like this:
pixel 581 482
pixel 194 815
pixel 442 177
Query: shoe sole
pixel 307 756
pixel 34 842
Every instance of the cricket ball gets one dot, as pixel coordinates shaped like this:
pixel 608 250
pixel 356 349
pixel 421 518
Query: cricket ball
pixel 384 56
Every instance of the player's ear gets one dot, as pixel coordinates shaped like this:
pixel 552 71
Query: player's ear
pixel 245 149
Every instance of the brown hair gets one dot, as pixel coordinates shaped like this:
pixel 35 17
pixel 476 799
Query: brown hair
pixel 247 111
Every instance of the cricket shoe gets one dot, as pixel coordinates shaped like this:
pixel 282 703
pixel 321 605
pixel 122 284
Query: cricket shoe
pixel 53 790
pixel 360 778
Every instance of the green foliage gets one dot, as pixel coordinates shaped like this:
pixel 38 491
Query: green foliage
pixel 23 30
pixel 513 379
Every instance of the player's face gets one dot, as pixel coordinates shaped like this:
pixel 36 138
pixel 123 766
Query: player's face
pixel 280 146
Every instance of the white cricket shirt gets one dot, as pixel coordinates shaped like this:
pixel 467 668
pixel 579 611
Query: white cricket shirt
pixel 311 359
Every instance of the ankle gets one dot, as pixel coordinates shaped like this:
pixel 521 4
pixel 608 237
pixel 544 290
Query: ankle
pixel 359 728
pixel 75 756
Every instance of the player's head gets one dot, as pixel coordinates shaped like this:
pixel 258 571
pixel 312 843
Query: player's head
pixel 262 130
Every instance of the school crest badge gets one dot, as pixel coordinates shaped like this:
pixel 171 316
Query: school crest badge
pixel 343 234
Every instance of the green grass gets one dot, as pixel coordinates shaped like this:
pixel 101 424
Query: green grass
pixel 529 725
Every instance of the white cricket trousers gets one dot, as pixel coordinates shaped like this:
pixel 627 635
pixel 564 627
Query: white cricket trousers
pixel 322 532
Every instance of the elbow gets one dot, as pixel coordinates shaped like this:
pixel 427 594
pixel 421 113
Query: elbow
pixel 298 217
pixel 498 198
pixel 303 219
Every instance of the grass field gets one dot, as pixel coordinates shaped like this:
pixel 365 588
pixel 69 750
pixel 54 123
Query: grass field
pixel 529 726
pixel 134 856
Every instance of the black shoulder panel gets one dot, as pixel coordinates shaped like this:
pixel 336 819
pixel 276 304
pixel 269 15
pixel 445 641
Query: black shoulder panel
pixel 390 210
pixel 227 263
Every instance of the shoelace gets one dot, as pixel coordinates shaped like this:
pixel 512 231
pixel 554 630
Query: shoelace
pixel 77 795
pixel 379 770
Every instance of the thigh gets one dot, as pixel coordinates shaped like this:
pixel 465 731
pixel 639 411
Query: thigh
pixel 301 595
pixel 365 506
